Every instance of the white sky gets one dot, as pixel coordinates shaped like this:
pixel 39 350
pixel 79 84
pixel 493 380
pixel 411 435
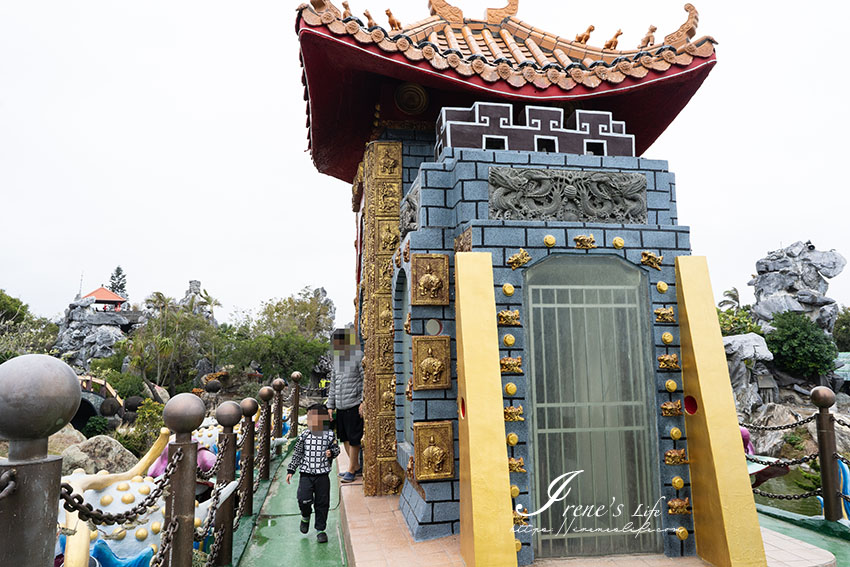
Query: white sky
pixel 169 137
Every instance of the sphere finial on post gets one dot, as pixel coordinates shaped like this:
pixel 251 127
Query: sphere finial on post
pixel 39 395
pixel 278 384
pixel 266 394
pixel 249 406
pixel 228 414
pixel 296 377
pixel 823 397
pixel 184 413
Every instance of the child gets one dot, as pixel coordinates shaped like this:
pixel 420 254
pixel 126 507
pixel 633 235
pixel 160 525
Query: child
pixel 315 449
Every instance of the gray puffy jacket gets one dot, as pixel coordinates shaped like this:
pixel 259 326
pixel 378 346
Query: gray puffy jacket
pixel 346 389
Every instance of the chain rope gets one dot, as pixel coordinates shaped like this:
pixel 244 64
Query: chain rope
pixel 165 543
pixel 203 532
pixel 753 427
pixel 817 492
pixel 8 483
pixel 844 497
pixel 219 459
pixel 75 502
pixel 783 462
pixel 257 468
pixel 841 458
pixel 840 421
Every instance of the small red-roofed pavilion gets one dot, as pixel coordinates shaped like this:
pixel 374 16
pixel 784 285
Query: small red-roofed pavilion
pixel 111 301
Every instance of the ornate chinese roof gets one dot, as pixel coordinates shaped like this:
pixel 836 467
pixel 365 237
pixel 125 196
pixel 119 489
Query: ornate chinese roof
pixel 103 295
pixel 500 58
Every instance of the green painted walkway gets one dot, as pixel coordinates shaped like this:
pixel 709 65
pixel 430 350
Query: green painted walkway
pixel 840 548
pixel 278 541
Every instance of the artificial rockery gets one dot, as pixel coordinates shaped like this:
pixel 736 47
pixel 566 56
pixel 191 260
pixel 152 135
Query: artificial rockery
pixel 791 280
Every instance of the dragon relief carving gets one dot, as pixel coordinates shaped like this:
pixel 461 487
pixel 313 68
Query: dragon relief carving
pixel 514 413
pixel 675 457
pixel 519 259
pixel 509 318
pixel 665 315
pixel 585 241
pixel 516 465
pixel 668 362
pixel 647 258
pixel 678 506
pixel 554 194
pixel 511 365
pixel 409 211
pixel 671 409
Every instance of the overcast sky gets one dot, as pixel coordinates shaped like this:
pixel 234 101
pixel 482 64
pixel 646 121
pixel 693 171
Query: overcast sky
pixel 169 137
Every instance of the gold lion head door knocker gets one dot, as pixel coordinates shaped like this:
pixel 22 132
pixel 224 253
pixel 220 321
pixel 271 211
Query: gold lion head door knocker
pixel 429 284
pixel 434 457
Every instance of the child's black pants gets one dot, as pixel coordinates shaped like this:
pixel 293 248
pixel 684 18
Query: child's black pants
pixel 314 491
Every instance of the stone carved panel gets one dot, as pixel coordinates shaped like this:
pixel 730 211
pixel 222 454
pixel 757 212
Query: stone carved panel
pixel 463 243
pixel 556 194
pixel 434 449
pixel 432 363
pixel 409 210
pixel 430 275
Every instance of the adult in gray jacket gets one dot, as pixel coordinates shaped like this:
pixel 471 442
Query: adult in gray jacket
pixel 345 396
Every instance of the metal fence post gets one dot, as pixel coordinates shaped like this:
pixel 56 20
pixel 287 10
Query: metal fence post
pixel 824 398
pixel 249 409
pixel 277 386
pixel 296 404
pixel 228 415
pixel 266 395
pixel 183 414
pixel 39 395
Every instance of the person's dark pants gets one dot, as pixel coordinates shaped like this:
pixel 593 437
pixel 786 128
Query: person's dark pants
pixel 314 491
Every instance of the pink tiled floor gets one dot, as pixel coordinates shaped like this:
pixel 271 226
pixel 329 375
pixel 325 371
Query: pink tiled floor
pixel 377 536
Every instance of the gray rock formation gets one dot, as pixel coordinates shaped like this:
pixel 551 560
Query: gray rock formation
pixel 752 382
pixel 85 333
pixel 194 301
pixel 793 279
pixel 98 453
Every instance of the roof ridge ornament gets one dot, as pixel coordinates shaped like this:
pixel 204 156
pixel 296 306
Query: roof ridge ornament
pixel 446 11
pixel 495 16
pixel 325 6
pixel 686 31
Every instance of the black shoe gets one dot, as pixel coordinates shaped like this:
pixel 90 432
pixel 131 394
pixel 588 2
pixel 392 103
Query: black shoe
pixel 322 537
pixel 305 525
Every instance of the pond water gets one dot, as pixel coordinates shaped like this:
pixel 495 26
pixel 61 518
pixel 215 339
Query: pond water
pixel 786 485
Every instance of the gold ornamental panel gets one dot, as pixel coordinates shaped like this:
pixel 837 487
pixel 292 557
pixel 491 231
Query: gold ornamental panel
pixel 387 238
pixel 384 315
pixel 432 363
pixel 386 436
pixel 433 443
pixel 386 355
pixel 386 394
pixel 430 275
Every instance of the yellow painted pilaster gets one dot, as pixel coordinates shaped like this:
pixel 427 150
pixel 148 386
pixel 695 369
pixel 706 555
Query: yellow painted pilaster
pixel 725 521
pixel 486 519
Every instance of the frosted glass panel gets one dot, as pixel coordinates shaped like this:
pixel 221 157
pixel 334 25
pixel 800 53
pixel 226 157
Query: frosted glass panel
pixel 591 382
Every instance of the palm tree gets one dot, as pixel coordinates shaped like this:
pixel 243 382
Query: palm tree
pixel 732 301
pixel 211 302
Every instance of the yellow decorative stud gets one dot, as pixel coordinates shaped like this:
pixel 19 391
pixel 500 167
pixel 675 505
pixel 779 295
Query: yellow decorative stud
pixel 155 527
pixel 518 545
pixel 508 289
pixel 103 472
pixel 667 338
pixel 662 287
pixel 123 487
pixel 93 535
pixel 675 433
pixel 128 498
pixel 549 241
pixel 671 386
pixel 509 340
pixel 678 482
pixel 119 533
pixel 106 500
pixel 682 533
pixel 136 478
pixel 141 534
pixel 510 388
pixel 618 243
pixel 514 491
pixel 144 490
pixel 197 522
pixel 155 548
pixel 513 439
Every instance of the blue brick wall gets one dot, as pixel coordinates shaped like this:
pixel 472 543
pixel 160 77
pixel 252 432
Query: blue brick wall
pixel 454 195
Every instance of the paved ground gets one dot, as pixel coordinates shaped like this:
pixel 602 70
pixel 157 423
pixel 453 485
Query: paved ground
pixel 277 539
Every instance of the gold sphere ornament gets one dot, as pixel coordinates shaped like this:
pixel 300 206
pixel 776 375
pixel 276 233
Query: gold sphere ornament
pixel 667 338
pixel 509 340
pixel 671 386
pixel 123 487
pixel 136 478
pixel 682 533
pixel 513 439
pixel 508 289
pixel 197 522
pixel 678 482
pixel 549 241
pixel 618 243
pixel 675 433
pixel 662 287
pixel 119 533
pixel 510 388
pixel 141 534
pixel 517 545
pixel 144 490
pixel 128 498
pixel 155 527
pixel 93 535
pixel 514 491
pixel 106 500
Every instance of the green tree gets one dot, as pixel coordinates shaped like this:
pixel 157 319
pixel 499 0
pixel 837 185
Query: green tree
pixel 732 301
pixel 800 347
pixel 278 354
pixel 737 322
pixel 841 332
pixel 21 332
pixel 12 309
pixel 118 282
pixel 309 313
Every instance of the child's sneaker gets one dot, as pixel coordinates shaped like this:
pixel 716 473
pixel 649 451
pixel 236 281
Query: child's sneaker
pixel 322 537
pixel 305 524
pixel 347 477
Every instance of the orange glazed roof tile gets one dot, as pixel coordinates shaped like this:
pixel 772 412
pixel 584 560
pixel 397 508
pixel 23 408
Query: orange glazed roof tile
pixel 500 58
pixel 103 295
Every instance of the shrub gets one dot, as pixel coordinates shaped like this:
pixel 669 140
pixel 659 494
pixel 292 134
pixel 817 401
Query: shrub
pixel 800 347
pixel 125 384
pixel 96 425
pixel 737 322
pixel 841 332
pixel 145 430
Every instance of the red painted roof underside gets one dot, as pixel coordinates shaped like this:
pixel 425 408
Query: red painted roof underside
pixel 103 295
pixel 345 80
